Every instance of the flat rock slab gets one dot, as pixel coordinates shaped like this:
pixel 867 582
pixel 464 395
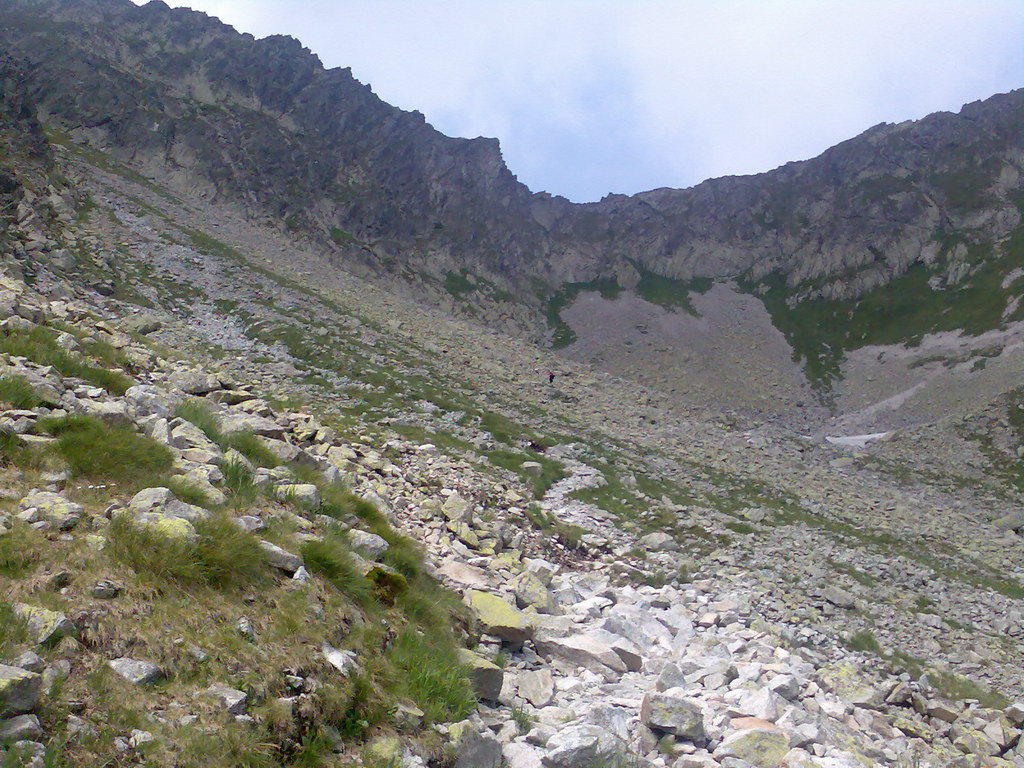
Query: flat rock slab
pixel 583 651
pixel 231 700
pixel 136 671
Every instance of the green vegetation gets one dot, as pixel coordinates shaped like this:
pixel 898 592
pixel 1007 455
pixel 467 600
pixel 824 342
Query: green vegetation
pixel 17 392
pixel 822 331
pixel 563 335
pixel 341 237
pixel 669 292
pixel 551 471
pixel 116 453
pixel 13 631
pixel 40 345
pixel 223 555
pixel 332 559
pixel 19 550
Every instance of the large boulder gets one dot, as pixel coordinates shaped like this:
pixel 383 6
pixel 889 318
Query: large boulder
pixel 583 651
pixel 45 627
pixel 487 677
pixel 50 507
pixel 498 618
pixel 673 711
pixel 583 746
pixel 19 690
pixel 760 747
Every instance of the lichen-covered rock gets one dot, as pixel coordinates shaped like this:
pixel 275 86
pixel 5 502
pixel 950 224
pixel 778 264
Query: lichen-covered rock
pixel 674 712
pixel 20 728
pixel 45 627
pixel 50 507
pixel 486 677
pixel 582 746
pixel 19 690
pixel 498 618
pixel 531 592
pixel 760 747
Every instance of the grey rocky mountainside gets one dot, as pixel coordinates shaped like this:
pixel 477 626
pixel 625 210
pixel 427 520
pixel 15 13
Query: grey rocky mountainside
pixel 340 525
pixel 901 233
pixel 263 124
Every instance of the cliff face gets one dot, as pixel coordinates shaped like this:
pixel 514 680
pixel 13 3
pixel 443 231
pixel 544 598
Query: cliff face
pixel 25 159
pixel 261 123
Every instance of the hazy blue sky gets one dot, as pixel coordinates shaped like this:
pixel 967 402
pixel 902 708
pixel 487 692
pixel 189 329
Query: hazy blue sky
pixel 597 96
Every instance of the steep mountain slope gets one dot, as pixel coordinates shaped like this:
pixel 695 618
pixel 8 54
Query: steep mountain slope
pixel 904 231
pixel 195 402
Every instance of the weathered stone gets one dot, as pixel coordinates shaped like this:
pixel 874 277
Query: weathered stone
pixel 142 323
pixel 193 382
pixel 583 651
pixel 51 507
pixel 136 671
pixel 457 509
pixel 531 592
pixel 658 542
pixel 674 712
pixel 582 746
pixel 305 494
pixel 369 545
pixel 760 747
pixel 487 677
pixel 19 690
pixel 838 597
pixel 475 745
pixel 280 558
pixel 20 728
pixel 230 700
pixel 343 661
pixel 536 686
pixel 498 618
pixel 45 627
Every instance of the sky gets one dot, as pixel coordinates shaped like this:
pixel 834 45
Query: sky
pixel 591 97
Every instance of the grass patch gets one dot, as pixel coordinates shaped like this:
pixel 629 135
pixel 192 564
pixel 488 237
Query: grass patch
pixel 430 674
pixel 669 292
pixel 17 392
pixel 332 559
pixel 99 451
pixel 202 416
pixel 902 311
pixel 40 346
pixel 224 556
pixel 854 573
pixel 551 471
pixel 19 550
pixel 13 631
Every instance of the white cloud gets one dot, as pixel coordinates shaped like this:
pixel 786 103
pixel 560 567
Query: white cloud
pixel 590 96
